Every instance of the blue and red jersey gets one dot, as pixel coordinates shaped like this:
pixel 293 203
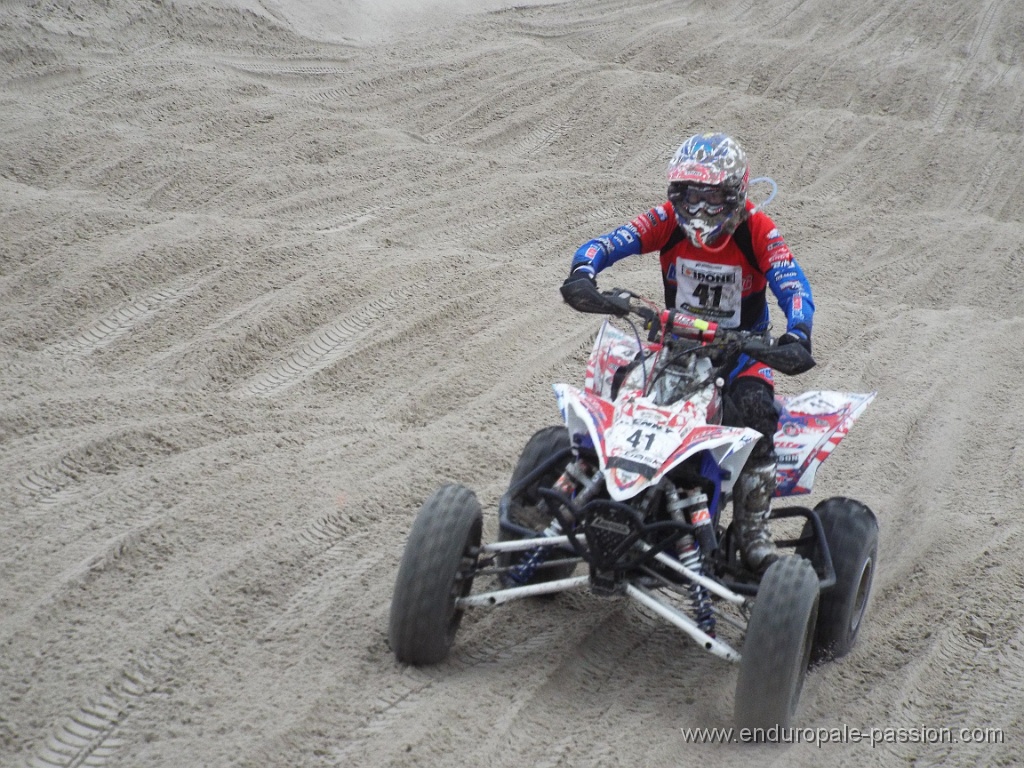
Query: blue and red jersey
pixel 727 283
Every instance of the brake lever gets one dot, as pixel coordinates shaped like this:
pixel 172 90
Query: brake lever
pixel 620 301
pixel 652 321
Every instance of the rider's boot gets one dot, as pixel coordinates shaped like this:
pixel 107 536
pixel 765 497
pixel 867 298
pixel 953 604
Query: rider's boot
pixel 752 496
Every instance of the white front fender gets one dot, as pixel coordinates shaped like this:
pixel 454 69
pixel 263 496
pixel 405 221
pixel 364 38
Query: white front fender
pixel 635 453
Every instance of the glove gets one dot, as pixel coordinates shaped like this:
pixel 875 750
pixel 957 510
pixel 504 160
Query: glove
pixel 580 274
pixel 799 335
pixel 580 292
pixel 578 286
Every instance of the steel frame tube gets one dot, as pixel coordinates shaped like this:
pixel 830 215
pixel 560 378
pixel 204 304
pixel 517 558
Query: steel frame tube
pixel 709 584
pixel 683 622
pixel 520 545
pixel 498 596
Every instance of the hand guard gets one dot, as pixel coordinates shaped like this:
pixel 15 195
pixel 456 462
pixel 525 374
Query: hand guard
pixel 799 335
pixel 580 292
pixel 580 274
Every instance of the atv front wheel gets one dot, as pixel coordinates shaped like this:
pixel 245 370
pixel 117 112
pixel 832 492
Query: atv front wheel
pixel 777 648
pixel 526 510
pixel 436 569
pixel 851 531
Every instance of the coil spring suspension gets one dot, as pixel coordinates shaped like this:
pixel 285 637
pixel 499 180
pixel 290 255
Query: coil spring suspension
pixel 700 600
pixel 575 474
pixel 522 572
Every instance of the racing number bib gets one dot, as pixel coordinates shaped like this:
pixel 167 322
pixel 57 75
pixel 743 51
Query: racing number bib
pixel 710 291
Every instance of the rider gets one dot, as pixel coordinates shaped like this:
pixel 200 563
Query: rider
pixel 718 254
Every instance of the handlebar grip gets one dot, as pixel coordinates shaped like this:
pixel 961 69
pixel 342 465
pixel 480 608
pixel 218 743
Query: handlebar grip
pixel 689 327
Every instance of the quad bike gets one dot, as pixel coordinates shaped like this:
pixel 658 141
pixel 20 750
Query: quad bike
pixel 633 485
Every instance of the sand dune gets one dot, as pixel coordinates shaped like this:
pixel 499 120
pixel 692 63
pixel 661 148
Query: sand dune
pixel 270 272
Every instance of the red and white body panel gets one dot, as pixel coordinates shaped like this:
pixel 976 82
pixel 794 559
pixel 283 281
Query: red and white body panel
pixel 638 442
pixel 810 427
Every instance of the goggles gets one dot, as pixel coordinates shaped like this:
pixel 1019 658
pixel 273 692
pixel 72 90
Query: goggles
pixel 692 195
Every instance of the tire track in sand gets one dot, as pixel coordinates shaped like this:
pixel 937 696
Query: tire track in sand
pixel 117 324
pixel 92 734
pixel 945 105
pixel 88 736
pixel 327 346
pixel 48 485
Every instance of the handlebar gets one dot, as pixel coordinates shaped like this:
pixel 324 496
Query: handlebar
pixel 667 324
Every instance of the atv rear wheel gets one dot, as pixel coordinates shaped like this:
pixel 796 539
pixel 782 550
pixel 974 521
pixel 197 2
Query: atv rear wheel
pixel 525 509
pixel 436 568
pixel 777 648
pixel 851 531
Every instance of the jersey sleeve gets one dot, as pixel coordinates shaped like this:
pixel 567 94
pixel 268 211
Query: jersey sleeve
pixel 647 232
pixel 784 275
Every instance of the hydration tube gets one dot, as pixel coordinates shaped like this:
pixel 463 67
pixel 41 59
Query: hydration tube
pixel 775 188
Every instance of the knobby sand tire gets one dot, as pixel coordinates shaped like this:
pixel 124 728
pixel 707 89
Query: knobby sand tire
pixel 777 649
pixel 851 531
pixel 439 554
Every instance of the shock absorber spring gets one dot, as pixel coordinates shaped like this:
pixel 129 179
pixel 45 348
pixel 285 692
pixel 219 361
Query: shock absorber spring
pixel 700 600
pixel 523 571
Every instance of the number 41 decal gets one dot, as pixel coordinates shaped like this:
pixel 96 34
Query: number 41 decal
pixel 703 294
pixel 639 435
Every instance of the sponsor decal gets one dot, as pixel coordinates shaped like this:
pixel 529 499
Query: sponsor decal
pixel 790 285
pixel 661 213
pixel 656 425
pixel 774 234
pixel 798 304
pixel 791 445
pixel 644 224
pixel 592 252
pixel 692 172
pixel 710 277
pixel 776 244
pixel 789 459
pixel 707 312
pixel 624 235
pixel 748 283
pixel 700 517
pixel 610 525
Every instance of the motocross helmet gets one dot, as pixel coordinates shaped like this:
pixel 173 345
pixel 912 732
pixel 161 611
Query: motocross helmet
pixel 707 186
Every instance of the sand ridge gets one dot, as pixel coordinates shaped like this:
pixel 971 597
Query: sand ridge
pixel 270 272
